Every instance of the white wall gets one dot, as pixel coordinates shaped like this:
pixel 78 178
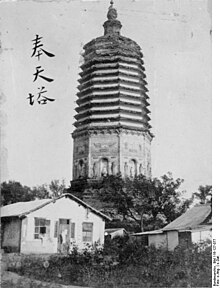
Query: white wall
pixel 168 240
pixel 172 239
pixel 198 236
pixel 158 240
pixel 62 208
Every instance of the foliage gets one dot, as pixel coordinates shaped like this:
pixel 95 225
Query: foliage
pixel 125 263
pixel 78 187
pixel 128 225
pixel 41 192
pixel 54 189
pixel 57 187
pixel 204 194
pixel 12 191
pixel 151 203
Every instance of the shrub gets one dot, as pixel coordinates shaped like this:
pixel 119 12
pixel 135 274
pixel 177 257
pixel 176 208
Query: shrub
pixel 122 263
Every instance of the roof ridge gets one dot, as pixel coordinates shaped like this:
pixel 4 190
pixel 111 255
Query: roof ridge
pixel 26 202
pixel 48 201
pixel 190 218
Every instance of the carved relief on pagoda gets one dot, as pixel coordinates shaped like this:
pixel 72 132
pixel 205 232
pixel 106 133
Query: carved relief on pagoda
pixel 99 147
pixel 132 168
pixel 80 169
pixel 141 169
pixel 148 172
pixel 81 147
pixel 103 166
pixel 134 147
pixel 104 145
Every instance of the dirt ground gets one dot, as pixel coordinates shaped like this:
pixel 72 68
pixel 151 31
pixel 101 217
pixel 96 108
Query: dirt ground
pixel 13 280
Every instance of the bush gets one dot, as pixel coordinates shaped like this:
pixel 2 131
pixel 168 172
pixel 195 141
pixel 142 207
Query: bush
pixel 122 263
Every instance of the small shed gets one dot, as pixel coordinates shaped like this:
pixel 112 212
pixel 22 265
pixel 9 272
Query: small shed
pixel 193 226
pixel 51 225
pixel 115 232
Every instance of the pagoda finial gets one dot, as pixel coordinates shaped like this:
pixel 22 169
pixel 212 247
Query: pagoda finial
pixel 112 12
pixel 112 26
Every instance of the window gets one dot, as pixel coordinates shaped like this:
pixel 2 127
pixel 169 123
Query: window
pixel 42 227
pixel 87 229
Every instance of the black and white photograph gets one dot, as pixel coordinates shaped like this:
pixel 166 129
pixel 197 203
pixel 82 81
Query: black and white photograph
pixel 106 144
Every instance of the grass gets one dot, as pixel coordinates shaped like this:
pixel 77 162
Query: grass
pixel 122 265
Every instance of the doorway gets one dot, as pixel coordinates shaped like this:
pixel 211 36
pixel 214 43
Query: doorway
pixel 64 236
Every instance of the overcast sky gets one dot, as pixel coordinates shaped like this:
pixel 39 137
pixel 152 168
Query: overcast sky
pixel 175 39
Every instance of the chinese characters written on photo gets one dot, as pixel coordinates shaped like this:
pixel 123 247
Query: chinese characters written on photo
pixel 40 96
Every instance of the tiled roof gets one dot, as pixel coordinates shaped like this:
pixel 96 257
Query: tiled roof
pixel 23 208
pixel 20 208
pixel 110 230
pixel 196 218
pixel 191 219
pixel 148 233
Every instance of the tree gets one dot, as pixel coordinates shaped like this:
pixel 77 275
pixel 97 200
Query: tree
pixel 113 191
pixel 151 203
pixel 13 192
pixel 204 194
pixel 41 192
pixel 167 203
pixel 52 190
pixel 57 187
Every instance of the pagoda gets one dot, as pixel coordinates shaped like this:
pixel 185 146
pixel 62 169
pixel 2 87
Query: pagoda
pixel 112 129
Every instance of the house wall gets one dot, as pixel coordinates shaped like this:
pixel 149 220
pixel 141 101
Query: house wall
pixel 198 236
pixel 63 208
pixel 158 240
pixel 11 234
pixel 185 238
pixel 172 240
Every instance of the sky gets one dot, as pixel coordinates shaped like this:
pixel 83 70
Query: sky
pixel 36 143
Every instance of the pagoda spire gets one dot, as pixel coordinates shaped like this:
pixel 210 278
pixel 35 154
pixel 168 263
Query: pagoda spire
pixel 112 26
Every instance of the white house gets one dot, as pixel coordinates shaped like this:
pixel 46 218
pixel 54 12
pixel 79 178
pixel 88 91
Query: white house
pixel 51 225
pixel 193 226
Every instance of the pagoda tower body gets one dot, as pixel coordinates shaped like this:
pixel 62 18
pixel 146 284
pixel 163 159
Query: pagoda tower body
pixel 112 130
